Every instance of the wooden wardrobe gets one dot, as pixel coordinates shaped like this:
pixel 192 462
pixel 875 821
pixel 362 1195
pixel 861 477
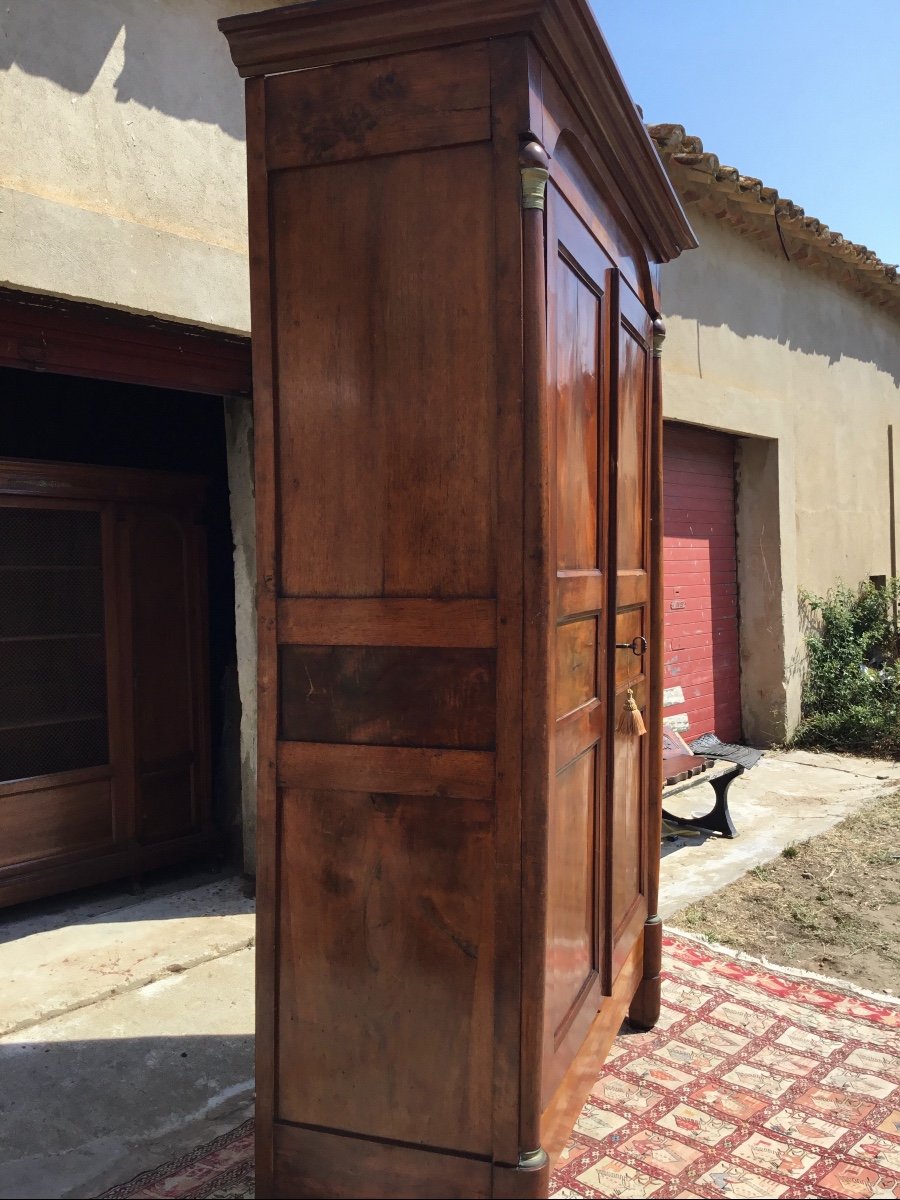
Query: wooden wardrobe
pixel 104 736
pixel 456 221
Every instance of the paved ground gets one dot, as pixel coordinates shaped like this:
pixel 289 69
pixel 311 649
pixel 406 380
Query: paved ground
pixel 131 1033
pixel 787 797
pixel 127 1034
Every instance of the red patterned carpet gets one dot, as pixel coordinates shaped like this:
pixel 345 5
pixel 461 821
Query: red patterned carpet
pixel 220 1170
pixel 756 1083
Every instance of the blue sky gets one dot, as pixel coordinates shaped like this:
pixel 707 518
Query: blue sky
pixel 804 95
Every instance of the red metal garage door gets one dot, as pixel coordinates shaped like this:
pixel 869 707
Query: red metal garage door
pixel 702 648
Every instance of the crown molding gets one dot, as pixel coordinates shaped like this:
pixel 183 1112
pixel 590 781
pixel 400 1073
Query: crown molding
pixel 324 32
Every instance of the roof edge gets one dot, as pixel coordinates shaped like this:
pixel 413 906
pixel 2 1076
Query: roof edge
pixel 749 206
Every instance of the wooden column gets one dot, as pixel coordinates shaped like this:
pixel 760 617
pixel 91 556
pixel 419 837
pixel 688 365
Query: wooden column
pixel 644 1010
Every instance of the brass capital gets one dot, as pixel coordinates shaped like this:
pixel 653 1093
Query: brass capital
pixel 534 165
pixel 534 186
pixel 659 336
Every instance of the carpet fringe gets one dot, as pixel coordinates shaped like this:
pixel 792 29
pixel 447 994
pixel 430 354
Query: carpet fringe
pixel 841 985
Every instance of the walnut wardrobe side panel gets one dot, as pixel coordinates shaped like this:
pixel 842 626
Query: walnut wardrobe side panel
pixel 392 524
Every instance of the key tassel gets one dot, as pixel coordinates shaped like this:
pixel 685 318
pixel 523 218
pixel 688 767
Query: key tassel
pixel 630 719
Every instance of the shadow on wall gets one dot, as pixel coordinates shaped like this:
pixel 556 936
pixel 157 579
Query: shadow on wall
pixel 731 282
pixel 31 40
pixel 175 56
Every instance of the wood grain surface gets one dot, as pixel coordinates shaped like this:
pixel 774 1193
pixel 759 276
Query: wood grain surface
pixel 455 506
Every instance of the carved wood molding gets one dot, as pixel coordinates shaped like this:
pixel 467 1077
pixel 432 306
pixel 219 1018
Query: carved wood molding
pixel 565 31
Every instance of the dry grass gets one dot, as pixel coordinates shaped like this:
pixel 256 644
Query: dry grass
pixel 831 904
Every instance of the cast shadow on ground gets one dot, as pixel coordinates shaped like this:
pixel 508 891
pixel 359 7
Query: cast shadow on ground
pixel 78 1115
pixel 171 894
pixel 671 844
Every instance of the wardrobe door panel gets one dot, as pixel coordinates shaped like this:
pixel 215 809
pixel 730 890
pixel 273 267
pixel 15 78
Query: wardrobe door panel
pixel 579 282
pixel 577 418
pixel 386 413
pixel 630 762
pixel 572 902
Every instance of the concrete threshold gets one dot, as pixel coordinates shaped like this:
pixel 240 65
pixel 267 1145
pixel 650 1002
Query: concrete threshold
pixel 58 963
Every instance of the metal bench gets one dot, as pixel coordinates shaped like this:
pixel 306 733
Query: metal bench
pixel 682 767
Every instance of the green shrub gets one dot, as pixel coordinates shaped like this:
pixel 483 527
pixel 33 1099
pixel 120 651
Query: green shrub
pixel 851 689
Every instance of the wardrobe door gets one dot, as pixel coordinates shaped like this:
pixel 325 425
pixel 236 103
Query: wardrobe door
pixel 164 571
pixel 630 631
pixel 580 276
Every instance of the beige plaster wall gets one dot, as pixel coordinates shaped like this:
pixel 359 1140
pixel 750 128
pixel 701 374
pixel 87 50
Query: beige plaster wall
pixel 122 177
pixel 766 349
pixel 239 442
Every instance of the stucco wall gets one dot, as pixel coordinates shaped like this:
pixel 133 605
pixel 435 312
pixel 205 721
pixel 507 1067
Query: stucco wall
pixel 122 176
pixel 767 349
pixel 239 444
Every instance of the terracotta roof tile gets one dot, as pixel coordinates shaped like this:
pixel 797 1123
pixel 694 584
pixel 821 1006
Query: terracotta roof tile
pixel 750 206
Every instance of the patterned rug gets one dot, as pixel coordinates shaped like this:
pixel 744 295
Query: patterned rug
pixel 219 1170
pixel 755 1083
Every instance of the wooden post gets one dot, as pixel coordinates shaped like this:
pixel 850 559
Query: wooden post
pixel 644 1010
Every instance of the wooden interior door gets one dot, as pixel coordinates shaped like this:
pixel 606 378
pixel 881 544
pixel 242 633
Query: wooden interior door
pixel 104 727
pixel 630 632
pixel 164 569
pixel 580 278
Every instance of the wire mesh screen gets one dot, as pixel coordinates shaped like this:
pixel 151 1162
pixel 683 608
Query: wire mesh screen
pixel 53 704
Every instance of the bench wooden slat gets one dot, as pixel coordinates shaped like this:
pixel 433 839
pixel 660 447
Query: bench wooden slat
pixel 684 766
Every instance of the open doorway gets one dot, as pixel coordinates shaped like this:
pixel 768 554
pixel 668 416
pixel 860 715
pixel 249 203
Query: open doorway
pixel 164 473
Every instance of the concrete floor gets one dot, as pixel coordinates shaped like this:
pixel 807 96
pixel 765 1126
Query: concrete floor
pixel 128 1032
pixel 787 797
pixel 128 1025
